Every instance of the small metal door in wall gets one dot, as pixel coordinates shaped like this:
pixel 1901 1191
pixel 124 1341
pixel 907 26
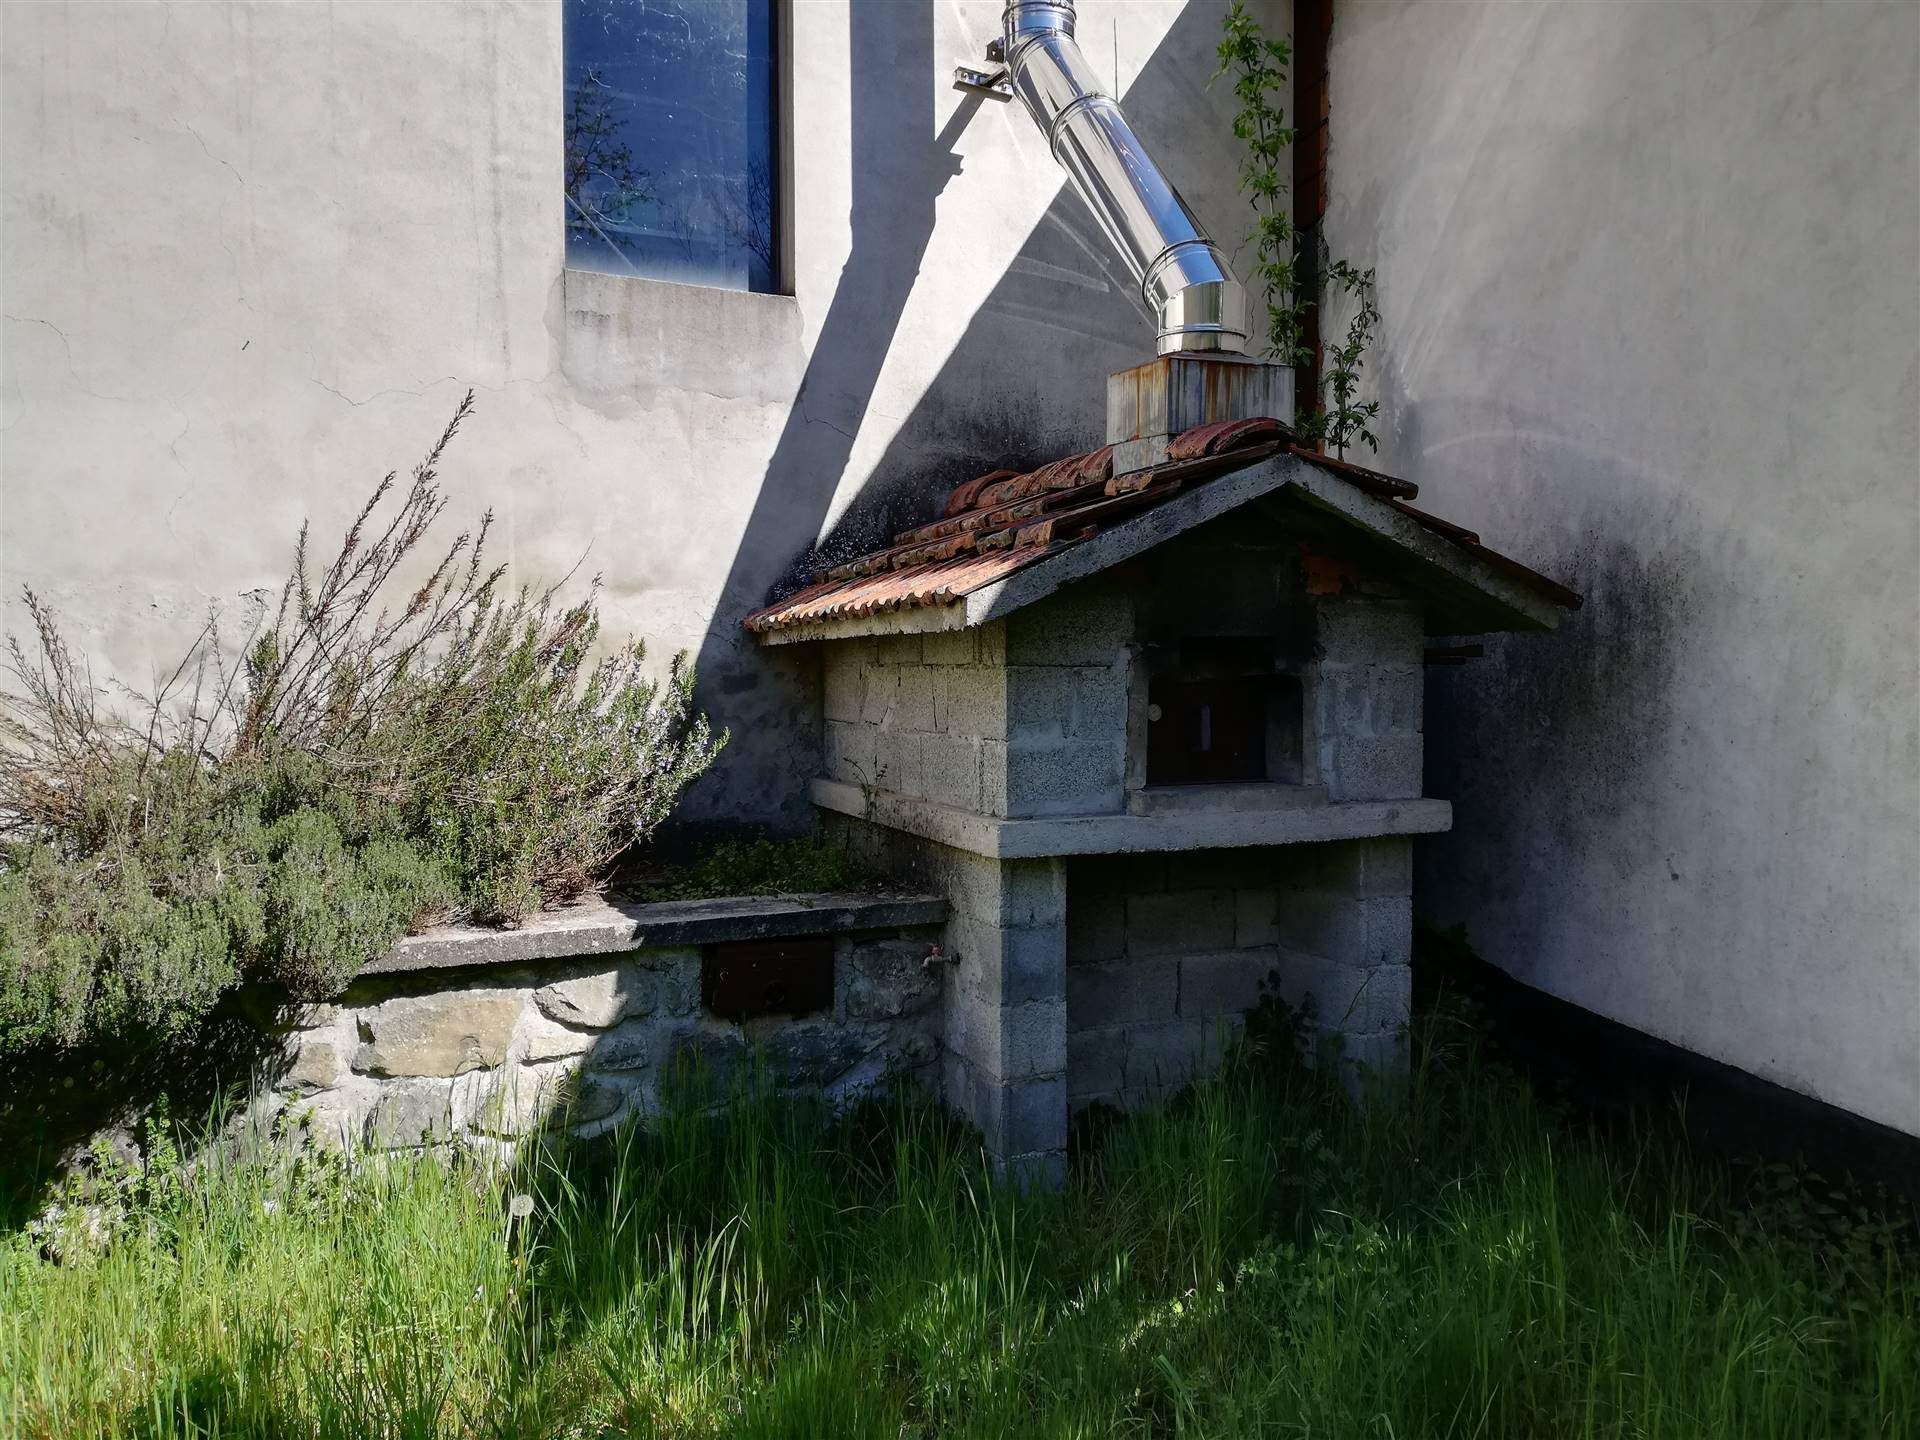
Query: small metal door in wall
pixel 746 979
pixel 1207 732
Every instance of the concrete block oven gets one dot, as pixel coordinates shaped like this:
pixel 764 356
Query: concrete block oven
pixel 1150 719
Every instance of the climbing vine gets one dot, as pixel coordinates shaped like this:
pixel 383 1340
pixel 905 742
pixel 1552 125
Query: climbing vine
pixel 1342 419
pixel 1259 67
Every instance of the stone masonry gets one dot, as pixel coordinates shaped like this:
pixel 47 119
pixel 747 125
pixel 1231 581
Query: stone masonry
pixel 1366 691
pixel 1003 1024
pixel 1062 980
pixel 1022 718
pixel 1118 978
pixel 485 1058
pixel 1167 953
pixel 1170 769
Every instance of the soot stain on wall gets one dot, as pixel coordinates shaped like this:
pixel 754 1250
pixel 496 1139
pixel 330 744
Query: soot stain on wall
pixel 1552 730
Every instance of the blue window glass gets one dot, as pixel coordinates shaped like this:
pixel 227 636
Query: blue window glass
pixel 670 154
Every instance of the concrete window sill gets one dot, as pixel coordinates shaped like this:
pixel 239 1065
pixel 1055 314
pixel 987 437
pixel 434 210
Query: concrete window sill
pixel 581 283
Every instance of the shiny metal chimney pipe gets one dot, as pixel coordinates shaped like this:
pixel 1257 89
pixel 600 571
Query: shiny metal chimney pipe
pixel 1183 277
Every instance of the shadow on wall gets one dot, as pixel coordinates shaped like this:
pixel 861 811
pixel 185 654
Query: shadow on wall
pixel 1065 311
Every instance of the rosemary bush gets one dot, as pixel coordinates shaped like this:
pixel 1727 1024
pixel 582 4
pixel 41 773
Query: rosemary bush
pixel 374 762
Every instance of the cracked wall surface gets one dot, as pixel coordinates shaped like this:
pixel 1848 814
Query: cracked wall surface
pixel 255 252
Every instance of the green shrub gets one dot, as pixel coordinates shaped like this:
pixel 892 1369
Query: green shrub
pixel 363 770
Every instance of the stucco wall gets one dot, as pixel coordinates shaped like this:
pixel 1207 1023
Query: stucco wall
pixel 1647 273
pixel 254 253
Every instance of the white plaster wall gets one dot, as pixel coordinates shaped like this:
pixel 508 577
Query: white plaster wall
pixel 1648 277
pixel 251 255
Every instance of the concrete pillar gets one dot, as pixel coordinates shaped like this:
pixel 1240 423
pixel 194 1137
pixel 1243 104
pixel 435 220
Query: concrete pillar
pixel 1006 1010
pixel 1004 1003
pixel 1345 926
pixel 1365 690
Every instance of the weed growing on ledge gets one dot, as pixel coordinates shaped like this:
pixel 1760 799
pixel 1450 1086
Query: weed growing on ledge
pixel 760 866
pixel 374 761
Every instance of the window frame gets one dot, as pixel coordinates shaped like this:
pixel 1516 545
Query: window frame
pixel 780 117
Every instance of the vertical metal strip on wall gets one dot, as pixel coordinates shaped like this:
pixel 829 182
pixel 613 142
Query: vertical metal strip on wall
pixel 1312 21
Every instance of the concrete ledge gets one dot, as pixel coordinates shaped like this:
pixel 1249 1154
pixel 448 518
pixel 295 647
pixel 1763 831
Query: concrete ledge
pixel 1123 834
pixel 600 927
pixel 1212 799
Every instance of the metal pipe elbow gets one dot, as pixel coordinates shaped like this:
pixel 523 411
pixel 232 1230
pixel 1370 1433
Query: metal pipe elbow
pixel 1185 281
pixel 1195 300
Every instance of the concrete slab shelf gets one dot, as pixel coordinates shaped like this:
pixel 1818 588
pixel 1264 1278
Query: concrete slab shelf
pixel 602 927
pixel 1194 829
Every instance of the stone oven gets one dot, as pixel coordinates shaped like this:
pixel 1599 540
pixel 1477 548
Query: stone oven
pixel 1150 719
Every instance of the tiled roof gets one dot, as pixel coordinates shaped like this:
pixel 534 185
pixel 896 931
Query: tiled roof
pixel 1004 521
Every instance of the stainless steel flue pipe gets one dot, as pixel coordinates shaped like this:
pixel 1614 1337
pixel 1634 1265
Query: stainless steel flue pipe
pixel 1183 277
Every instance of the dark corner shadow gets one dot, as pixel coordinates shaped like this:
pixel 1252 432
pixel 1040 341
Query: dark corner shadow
pixel 1026 382
pixel 57 1106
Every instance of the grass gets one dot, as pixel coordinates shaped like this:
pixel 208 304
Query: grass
pixel 1264 1258
pixel 759 865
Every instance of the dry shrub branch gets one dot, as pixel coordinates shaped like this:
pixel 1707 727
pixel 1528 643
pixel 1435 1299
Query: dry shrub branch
pixel 376 759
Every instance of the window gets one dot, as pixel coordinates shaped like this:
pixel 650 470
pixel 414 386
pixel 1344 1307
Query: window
pixel 671 160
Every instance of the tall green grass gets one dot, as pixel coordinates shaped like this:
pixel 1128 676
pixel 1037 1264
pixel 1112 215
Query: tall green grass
pixel 1263 1258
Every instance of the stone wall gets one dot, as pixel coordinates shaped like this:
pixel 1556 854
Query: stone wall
pixel 915 714
pixel 1069 666
pixel 1003 1009
pixel 1044 713
pixel 1365 689
pixel 487 1057
pixel 1119 978
pixel 1015 718
pixel 1166 953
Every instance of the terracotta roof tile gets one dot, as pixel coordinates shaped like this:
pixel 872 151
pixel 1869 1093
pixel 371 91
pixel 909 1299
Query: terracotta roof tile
pixel 1001 522
pixel 961 500
pixel 1222 436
